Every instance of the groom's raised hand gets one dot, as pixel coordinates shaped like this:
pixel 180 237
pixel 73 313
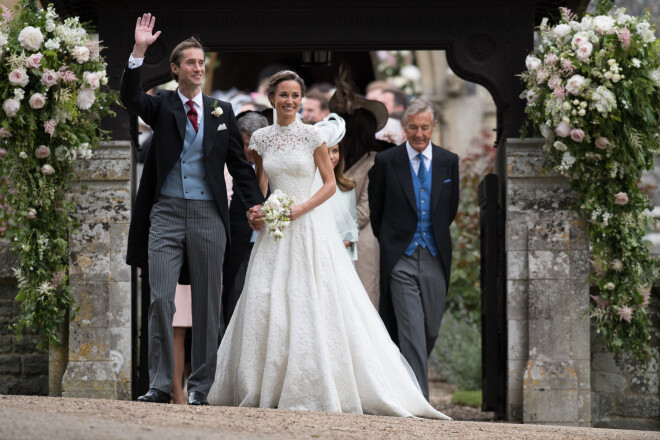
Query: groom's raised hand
pixel 144 35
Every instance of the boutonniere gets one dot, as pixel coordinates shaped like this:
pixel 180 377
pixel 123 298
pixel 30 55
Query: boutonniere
pixel 217 111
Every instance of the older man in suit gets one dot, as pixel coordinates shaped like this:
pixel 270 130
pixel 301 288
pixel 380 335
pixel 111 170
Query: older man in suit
pixel 413 198
pixel 181 208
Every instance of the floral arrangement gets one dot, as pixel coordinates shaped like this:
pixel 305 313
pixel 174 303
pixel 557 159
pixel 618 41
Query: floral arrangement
pixel 398 67
pixel 592 90
pixel 52 95
pixel 277 209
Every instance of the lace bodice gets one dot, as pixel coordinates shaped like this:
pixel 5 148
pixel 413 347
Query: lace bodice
pixel 287 153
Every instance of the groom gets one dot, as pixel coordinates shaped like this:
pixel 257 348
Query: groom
pixel 180 212
pixel 413 198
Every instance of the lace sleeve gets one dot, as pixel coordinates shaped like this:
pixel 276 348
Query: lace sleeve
pixel 256 143
pixel 315 137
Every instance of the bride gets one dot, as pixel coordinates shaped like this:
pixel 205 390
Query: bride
pixel 304 334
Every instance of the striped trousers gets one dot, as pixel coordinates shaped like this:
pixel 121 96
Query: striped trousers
pixel 179 228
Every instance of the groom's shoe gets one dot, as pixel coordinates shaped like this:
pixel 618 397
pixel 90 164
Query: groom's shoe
pixel 197 398
pixel 155 396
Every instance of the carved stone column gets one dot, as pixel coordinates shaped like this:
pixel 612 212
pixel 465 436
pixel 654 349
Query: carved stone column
pixel 100 334
pixel 547 294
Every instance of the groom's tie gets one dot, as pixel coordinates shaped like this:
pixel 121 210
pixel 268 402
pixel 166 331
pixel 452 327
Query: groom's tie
pixel 192 114
pixel 421 172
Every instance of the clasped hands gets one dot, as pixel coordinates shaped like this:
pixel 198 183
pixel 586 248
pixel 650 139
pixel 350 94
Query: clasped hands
pixel 255 216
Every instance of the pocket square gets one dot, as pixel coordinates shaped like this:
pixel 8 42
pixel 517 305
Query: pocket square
pixel 222 127
pixel 447 181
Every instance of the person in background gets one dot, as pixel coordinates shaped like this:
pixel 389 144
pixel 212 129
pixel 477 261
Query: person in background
pixel 364 117
pixel 375 89
pixel 413 199
pixel 343 202
pixel 395 101
pixel 314 107
pixel 242 236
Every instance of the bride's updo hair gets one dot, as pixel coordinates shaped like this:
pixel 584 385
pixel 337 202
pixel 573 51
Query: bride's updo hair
pixel 283 75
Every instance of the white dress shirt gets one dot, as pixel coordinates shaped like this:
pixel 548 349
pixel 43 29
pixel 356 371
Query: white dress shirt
pixel 414 160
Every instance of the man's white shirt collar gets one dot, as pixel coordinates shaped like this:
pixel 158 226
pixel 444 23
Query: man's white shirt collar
pixel 197 100
pixel 412 153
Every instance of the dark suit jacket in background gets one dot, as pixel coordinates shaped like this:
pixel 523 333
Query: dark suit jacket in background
pixel 165 113
pixel 393 213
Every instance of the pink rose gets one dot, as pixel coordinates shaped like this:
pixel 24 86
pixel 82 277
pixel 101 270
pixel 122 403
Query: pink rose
pixel 42 152
pixel 577 135
pixel 49 78
pixel 563 129
pixel 4 133
pixel 81 54
pixel 602 143
pixel 584 52
pixel 37 101
pixel 3 153
pixel 18 77
pixel 92 79
pixel 532 95
pixel 35 60
pixel 620 198
pixel 11 107
pixel 541 76
pixel 554 82
pixel 551 59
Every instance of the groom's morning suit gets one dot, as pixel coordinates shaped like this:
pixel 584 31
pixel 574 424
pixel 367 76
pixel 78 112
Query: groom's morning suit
pixel 410 215
pixel 181 213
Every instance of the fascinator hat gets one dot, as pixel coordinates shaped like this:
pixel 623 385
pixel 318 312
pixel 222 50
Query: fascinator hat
pixel 333 129
pixel 347 99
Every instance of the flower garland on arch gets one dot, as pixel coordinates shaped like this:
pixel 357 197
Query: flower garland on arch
pixel 593 92
pixel 53 95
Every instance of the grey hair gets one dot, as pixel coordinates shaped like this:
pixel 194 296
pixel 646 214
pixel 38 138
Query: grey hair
pixel 251 122
pixel 418 105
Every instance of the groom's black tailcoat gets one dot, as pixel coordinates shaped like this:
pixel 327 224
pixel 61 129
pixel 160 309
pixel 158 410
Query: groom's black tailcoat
pixel 165 113
pixel 393 213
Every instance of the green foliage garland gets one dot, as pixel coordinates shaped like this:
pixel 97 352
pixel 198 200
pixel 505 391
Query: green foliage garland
pixel 592 90
pixel 53 96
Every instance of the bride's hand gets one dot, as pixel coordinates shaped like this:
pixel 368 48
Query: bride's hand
pixel 296 211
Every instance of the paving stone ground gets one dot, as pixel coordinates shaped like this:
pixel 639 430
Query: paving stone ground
pixel 54 418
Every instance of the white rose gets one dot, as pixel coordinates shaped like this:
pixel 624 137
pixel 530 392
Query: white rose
pixel 92 79
pixel 11 107
pixel 47 170
pixel 559 146
pixel 3 39
pixel 532 62
pixel 532 95
pixel 561 30
pixel 81 54
pixel 575 84
pixel 31 38
pixel 584 52
pixel 587 24
pixel 579 40
pixel 86 98
pixel 616 78
pixel 604 24
pixel 635 62
pixel 23 155
pixel 37 101
pixel 19 77
pixel 622 19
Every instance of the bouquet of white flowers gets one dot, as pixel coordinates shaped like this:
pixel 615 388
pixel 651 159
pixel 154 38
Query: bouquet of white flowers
pixel 593 93
pixel 277 210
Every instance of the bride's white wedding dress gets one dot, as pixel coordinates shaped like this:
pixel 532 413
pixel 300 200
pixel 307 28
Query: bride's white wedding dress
pixel 304 334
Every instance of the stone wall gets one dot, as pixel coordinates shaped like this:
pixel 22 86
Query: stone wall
pixel 23 369
pixel 100 354
pixel 624 396
pixel 547 294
